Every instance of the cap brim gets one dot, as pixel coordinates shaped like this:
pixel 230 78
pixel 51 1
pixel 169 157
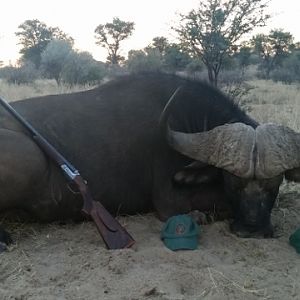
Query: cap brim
pixel 181 243
pixel 295 240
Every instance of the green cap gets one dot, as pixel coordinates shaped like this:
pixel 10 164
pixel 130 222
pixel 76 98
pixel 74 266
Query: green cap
pixel 180 232
pixel 295 240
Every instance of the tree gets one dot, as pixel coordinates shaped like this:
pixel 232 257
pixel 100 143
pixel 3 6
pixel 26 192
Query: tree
pixel 272 49
pixel 243 56
pixel 175 59
pixel 160 43
pixel 54 57
pixel 110 35
pixel 34 36
pixel 289 70
pixel 211 31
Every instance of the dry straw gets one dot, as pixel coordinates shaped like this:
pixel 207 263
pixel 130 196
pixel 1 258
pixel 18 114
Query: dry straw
pixel 13 92
pixel 275 102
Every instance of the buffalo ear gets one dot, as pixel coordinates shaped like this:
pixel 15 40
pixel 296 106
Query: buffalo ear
pixel 197 176
pixel 293 175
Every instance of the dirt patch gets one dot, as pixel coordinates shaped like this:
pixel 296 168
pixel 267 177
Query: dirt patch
pixel 70 262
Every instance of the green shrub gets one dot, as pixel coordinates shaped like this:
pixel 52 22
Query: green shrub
pixel 81 68
pixel 140 61
pixel 24 74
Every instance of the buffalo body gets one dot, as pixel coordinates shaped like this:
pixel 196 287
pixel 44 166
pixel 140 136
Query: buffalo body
pixel 132 163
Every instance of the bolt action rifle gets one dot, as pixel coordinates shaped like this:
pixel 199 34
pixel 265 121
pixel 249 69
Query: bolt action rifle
pixel 113 233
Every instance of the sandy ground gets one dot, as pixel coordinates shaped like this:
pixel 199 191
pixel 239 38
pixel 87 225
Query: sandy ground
pixel 69 261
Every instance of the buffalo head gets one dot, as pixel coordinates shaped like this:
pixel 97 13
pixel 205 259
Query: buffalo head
pixel 253 163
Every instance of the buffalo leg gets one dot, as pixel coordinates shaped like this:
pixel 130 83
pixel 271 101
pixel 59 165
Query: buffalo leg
pixel 22 167
pixel 169 200
pixel 5 239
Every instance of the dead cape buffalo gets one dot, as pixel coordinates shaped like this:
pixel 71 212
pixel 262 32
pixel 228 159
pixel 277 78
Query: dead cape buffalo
pixel 206 154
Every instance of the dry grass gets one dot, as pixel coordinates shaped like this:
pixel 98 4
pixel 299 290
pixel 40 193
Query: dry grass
pixel 274 102
pixel 13 92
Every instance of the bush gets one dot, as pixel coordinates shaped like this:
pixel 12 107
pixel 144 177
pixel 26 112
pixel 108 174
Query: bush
pixel 175 59
pixel 81 68
pixel 289 71
pixel 140 61
pixel 24 74
pixel 194 66
pixel 283 75
pixel 234 84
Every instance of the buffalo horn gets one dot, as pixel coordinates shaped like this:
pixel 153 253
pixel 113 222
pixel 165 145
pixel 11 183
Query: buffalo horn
pixel 278 150
pixel 163 120
pixel 229 147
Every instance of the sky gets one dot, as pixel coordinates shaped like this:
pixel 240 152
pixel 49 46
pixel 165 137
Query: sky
pixel 152 18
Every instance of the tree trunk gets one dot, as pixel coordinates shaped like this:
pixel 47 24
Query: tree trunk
pixel 216 75
pixel 212 76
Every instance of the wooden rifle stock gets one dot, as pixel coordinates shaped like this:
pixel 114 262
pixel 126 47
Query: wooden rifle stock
pixel 113 233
